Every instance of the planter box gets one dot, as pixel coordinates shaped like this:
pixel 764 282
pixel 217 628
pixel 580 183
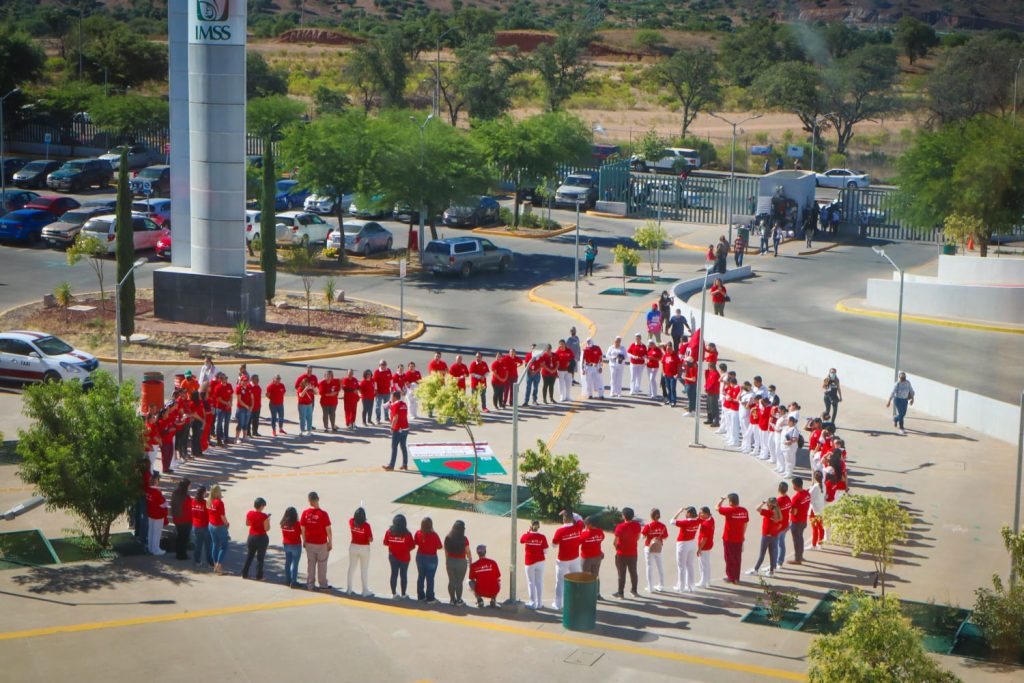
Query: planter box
pixel 791 621
pixel 628 270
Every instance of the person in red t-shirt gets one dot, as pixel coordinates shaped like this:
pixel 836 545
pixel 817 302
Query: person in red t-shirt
pixel 256 545
pixel 548 374
pixel 654 534
pixel 427 544
pixel 367 391
pixel 653 356
pixel 593 382
pixel 705 541
pixel 181 515
pixel 437 365
pixel 771 523
pixel 275 399
pixel 412 380
pixel 459 371
pixel 156 513
pixel 499 378
pixel 733 534
pixel 564 360
pixel 243 411
pixel 350 397
pixel 400 544
pixel 690 387
pixel 478 378
pixel 637 353
pixel 317 539
pixel 359 550
pixel 382 387
pixel 785 505
pixel 291 541
pixel 712 387
pixel 719 295
pixel 202 550
pixel 399 412
pixel 257 405
pixel 800 505
pixel 627 534
pixel 590 546
pixel 512 364
pixel 535 543
pixel 305 389
pixel 567 539
pixel 686 549
pixel 670 374
pixel 329 388
pixel 710 354
pixel 484 578
pixel 398 379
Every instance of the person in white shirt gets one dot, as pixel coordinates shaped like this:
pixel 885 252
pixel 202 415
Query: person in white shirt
pixel 790 443
pixel 817 492
pixel 616 357
pixel 207 372
pixel 903 396
pixel 743 424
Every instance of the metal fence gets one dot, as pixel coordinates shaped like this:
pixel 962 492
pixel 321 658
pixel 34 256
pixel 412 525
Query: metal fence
pixel 697 199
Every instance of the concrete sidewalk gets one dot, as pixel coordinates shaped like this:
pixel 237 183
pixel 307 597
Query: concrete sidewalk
pixel 53 621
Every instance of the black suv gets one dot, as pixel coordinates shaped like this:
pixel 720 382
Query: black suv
pixel 79 174
pixel 33 174
pixel 154 181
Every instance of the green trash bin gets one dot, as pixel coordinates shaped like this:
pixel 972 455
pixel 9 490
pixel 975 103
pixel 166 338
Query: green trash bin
pixel 579 601
pixel 949 249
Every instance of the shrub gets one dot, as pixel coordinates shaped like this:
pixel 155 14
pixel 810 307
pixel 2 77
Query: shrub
pixel 836 160
pixel 776 601
pixel 649 39
pixel 240 335
pixel 63 296
pixel 1000 612
pixel 555 481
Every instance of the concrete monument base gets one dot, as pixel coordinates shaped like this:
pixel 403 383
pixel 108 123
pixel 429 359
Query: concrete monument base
pixel 185 296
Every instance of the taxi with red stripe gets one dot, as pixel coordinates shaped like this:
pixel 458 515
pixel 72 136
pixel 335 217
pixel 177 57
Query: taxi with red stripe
pixel 28 356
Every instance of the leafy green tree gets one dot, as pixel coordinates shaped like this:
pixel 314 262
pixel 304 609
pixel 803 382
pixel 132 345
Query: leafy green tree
pixel 125 115
pixel 123 58
pixel 842 39
pixel 556 482
pixel 561 65
pixel 627 257
pixel 796 87
pixel 268 117
pixel 871 525
pixel 21 59
pixel 876 644
pixel 651 146
pixel 972 79
pixel 440 395
pixel 749 52
pixel 649 39
pixel 859 87
pixel 650 236
pixel 1000 611
pixel 974 169
pixel 327 100
pixel 914 37
pixel 381 69
pixel 261 79
pixel 359 73
pixel 64 100
pixel 693 76
pixel 532 148
pixel 483 81
pixel 91 248
pixel 125 248
pixel 302 264
pixel 82 450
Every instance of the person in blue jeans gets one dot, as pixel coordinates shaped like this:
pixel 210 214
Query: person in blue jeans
pixel 532 376
pixel 902 396
pixel 291 540
pixel 427 545
pixel 764 230
pixel 202 546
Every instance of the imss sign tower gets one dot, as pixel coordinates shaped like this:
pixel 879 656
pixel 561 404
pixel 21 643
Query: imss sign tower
pixel 212 287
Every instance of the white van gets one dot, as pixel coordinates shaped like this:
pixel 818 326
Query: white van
pixel 673 160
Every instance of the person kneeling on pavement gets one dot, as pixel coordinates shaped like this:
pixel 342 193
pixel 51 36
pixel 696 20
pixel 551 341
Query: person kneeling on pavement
pixel 484 578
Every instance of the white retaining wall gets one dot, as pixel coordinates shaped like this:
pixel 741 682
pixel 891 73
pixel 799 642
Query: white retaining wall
pixel 986 415
pixel 929 296
pixel 1002 270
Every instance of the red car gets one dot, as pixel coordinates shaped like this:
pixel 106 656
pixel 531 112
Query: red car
pixel 163 247
pixel 54 204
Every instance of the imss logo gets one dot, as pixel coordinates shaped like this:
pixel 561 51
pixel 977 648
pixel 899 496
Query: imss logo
pixel 212 10
pixel 212 14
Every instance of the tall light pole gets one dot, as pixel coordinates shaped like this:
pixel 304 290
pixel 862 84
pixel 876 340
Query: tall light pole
pixel 899 316
pixel 437 74
pixel 576 261
pixel 422 127
pixel 117 314
pixel 700 358
pixel 3 163
pixel 1016 73
pixel 732 163
pixel 513 544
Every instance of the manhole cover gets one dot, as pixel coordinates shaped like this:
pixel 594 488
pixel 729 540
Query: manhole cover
pixel 584 657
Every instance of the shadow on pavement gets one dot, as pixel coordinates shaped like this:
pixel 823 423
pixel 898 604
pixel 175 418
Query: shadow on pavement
pixel 86 577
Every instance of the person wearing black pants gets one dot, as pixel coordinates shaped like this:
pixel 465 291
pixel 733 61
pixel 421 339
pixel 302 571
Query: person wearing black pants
pixel 833 394
pixel 181 515
pixel 627 534
pixel 198 423
pixel 256 545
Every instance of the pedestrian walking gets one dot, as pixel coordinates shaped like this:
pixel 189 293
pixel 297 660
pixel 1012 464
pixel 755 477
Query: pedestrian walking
pixel 764 232
pixel 427 544
pixel 485 578
pixel 329 390
pixel 318 540
pixel 156 514
pixel 400 544
pixel 654 534
pixel 705 542
pixel 665 308
pixel 739 248
pixel 181 515
pixel 275 403
pixel 833 394
pixel 567 539
pixel 399 412
pixel 201 547
pixel 719 295
pixel 457 560
pixel 534 546
pixel 677 327
pixel 291 541
pixel 766 167
pixel 589 256
pixel 627 535
pixel 686 549
pixel 256 545
pixel 361 536
pixel 771 523
pixel 219 526
pixel 733 534
pixel 901 397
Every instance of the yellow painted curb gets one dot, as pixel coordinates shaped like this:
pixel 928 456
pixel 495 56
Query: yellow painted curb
pixel 504 233
pixel 603 214
pixel 389 271
pixel 536 298
pixel 751 251
pixel 843 307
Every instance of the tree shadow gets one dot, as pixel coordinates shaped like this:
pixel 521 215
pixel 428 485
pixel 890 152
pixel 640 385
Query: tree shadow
pixel 85 577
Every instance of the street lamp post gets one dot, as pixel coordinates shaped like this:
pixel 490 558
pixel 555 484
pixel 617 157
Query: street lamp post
pixel 576 261
pixel 437 75
pixel 3 162
pixel 732 164
pixel 700 358
pixel 513 544
pixel 422 127
pixel 899 315
pixel 117 314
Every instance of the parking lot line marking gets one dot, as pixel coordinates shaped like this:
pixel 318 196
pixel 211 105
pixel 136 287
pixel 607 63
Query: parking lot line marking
pixel 436 617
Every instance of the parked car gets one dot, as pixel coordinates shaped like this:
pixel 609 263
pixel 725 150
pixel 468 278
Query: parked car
pixel 464 255
pixel 252 225
pixel 577 188
pixel 362 237
pixel 404 213
pixel 153 181
pixel 109 203
pixel 79 174
pixel 670 194
pixel 27 356
pixel 842 177
pixel 479 211
pixel 157 209
pixel 104 228
pixel 163 247
pixel 33 174
pixel 139 156
pixel 24 225
pixel 289 194
pixel 672 160
pixel 11 166
pixel 62 233
pixel 55 204
pixel 299 227
pixel 326 202
pixel 364 206
pixel 602 152
pixel 16 199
